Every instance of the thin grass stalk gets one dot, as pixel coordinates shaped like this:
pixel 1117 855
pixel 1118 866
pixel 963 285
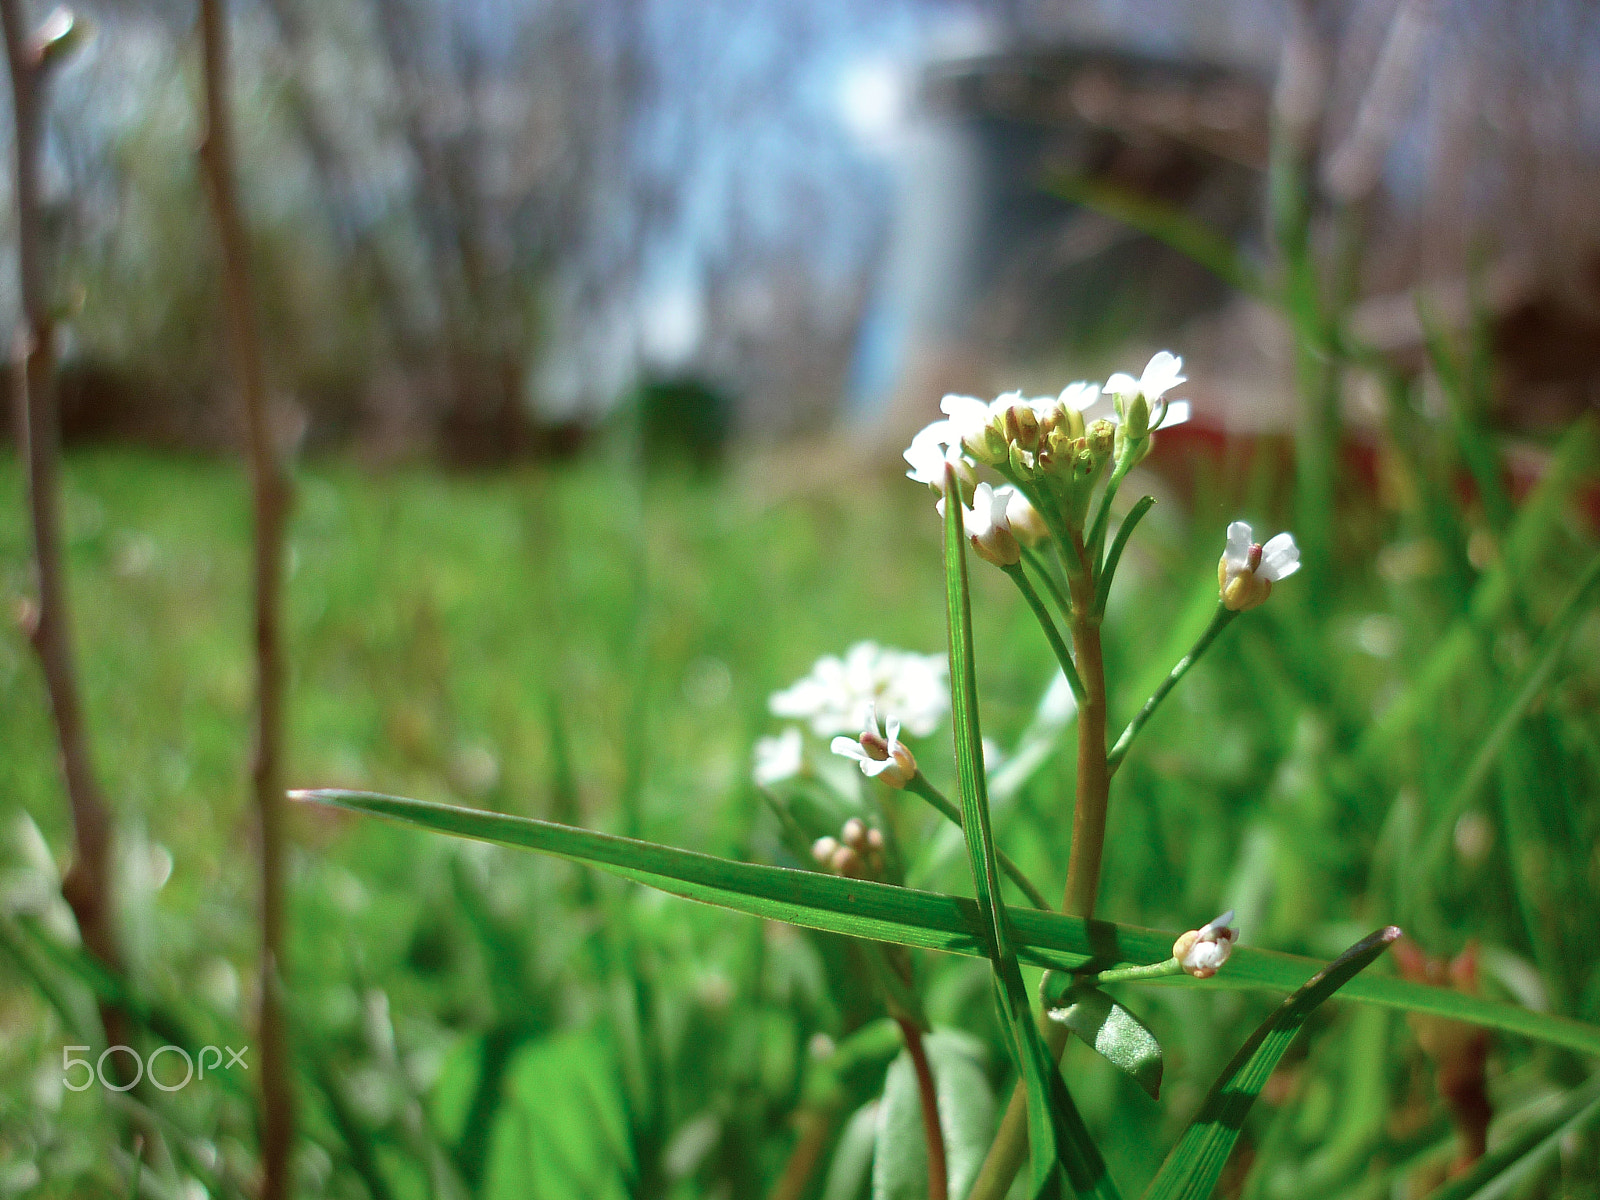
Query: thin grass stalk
pixel 87 885
pixel 270 507
pixel 928 1096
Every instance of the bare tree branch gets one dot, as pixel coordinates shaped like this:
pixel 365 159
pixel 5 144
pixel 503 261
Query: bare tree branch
pixel 87 886
pixel 271 499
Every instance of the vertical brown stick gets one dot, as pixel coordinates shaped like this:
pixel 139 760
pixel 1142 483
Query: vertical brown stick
pixel 87 887
pixel 270 495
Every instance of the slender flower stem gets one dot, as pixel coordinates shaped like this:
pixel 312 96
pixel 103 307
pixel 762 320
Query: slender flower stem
pixel 1047 623
pixel 1219 622
pixel 1160 970
pixel 1010 1144
pixel 919 785
pixel 1042 568
pixel 938 1173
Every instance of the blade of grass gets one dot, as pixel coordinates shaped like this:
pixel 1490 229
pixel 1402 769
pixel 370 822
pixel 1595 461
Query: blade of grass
pixel 929 920
pixel 1057 1137
pixel 1192 1169
pixel 1508 1165
pixel 1533 683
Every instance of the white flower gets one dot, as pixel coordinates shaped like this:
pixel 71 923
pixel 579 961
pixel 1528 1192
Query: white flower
pixel 1080 396
pixel 1026 523
pixel 778 758
pixel 881 756
pixel 934 447
pixel 1141 401
pixel 1202 951
pixel 1161 374
pixel 1247 571
pixel 839 694
pixel 988 527
pixel 984 430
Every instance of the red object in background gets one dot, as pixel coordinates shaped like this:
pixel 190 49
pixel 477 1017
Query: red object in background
pixel 1459 1052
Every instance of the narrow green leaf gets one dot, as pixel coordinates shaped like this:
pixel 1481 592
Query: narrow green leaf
pixel 1192 1169
pixel 1114 1033
pixel 1102 591
pixel 1166 223
pixel 926 920
pixel 1057 1137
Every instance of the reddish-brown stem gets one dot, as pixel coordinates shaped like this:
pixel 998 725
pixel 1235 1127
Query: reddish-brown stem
pixel 270 503
pixel 87 886
pixel 815 1126
pixel 1094 777
pixel 938 1171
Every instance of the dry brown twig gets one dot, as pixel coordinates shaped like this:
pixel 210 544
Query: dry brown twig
pixel 270 503
pixel 31 55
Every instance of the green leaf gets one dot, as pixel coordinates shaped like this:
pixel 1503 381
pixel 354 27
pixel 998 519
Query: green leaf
pixel 1057 1137
pixel 1114 1033
pixel 1192 1169
pixel 850 1172
pixel 966 1117
pixel 925 920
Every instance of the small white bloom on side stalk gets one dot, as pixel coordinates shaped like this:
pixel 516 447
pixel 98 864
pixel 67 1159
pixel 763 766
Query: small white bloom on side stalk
pixel 1027 525
pixel 778 758
pixel 988 527
pixel 1248 570
pixel 1141 403
pixel 1202 951
pixel 933 448
pixel 882 757
pixel 977 427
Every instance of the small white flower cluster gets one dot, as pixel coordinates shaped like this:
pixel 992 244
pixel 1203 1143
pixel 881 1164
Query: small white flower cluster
pixel 1071 436
pixel 840 695
pixel 1201 952
pixel 1248 570
pixel 843 695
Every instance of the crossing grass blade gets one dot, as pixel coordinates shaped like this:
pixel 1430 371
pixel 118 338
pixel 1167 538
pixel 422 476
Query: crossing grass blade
pixel 1513 1163
pixel 1057 1138
pixel 1192 1169
pixel 931 920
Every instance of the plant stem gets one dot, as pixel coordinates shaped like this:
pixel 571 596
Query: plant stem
pixel 87 885
pixel 1010 1144
pixel 918 784
pixel 1041 567
pixel 1094 779
pixel 1219 622
pixel 1047 623
pixel 271 498
pixel 938 1173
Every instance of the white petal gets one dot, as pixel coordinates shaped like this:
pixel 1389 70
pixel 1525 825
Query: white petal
pixel 1280 558
pixel 1217 923
pixel 1080 395
pixel 848 747
pixel 1239 542
pixel 1121 384
pixel 1177 413
pixel 892 734
pixel 1161 375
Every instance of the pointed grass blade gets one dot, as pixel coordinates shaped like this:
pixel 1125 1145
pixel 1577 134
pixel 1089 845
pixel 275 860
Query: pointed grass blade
pixel 1192 1169
pixel 924 920
pixel 1057 1138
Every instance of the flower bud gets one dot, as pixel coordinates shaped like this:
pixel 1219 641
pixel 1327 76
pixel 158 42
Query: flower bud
pixel 1027 525
pixel 988 528
pixel 823 850
pixel 1202 951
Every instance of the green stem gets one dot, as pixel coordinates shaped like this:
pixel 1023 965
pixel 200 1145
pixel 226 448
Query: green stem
pixel 1102 513
pixel 918 784
pixel 1010 1144
pixel 1219 622
pixel 1042 568
pixel 1158 970
pixel 1051 633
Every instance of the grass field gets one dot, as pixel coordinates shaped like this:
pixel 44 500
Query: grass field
pixel 568 642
